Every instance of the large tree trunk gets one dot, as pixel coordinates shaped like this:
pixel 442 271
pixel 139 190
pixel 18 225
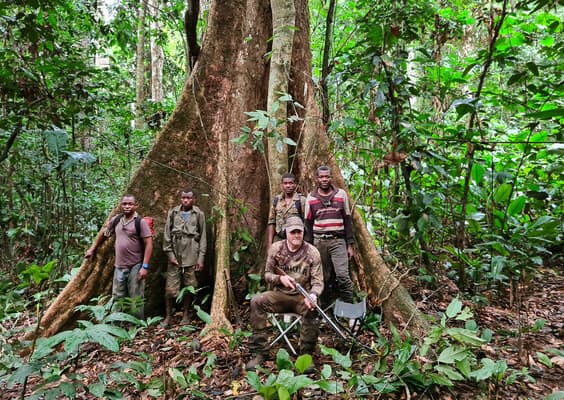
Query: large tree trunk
pixel 139 121
pixel 157 55
pixel 195 149
pixel 283 22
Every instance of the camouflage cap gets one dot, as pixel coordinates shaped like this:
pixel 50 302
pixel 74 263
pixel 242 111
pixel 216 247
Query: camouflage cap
pixel 294 223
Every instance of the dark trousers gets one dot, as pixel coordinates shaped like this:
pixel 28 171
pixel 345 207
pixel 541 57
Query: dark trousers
pixel 335 260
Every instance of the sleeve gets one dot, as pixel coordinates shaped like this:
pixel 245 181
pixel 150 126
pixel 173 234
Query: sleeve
pixel 203 240
pixel 347 219
pixel 111 229
pixel 308 221
pixel 272 214
pixel 317 283
pixel 270 276
pixel 167 239
pixel 145 229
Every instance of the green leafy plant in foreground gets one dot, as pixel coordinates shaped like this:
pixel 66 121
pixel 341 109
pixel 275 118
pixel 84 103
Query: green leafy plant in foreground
pixel 53 368
pixel 286 383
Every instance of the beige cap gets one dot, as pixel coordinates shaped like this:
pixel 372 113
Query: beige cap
pixel 294 223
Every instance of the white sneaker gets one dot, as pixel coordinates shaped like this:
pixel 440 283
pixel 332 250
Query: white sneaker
pixel 352 323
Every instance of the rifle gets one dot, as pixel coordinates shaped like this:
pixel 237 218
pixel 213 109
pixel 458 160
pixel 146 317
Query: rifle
pixel 304 293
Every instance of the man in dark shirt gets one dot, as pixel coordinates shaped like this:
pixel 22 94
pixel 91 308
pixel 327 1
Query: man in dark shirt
pixel 133 252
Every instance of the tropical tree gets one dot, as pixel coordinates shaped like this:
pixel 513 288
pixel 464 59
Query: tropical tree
pixel 209 144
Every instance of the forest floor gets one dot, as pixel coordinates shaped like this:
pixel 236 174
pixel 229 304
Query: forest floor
pixel 515 340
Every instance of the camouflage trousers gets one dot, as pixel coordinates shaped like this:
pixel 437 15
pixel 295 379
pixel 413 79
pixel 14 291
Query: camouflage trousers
pixel 126 283
pixel 278 302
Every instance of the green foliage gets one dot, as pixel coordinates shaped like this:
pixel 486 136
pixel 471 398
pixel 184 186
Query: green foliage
pixel 405 82
pixel 266 125
pixel 49 363
pixel 286 383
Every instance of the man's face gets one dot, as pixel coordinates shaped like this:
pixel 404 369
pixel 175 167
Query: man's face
pixel 295 237
pixel 187 200
pixel 288 185
pixel 128 205
pixel 324 179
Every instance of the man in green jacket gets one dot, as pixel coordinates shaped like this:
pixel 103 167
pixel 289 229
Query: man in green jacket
pixel 185 246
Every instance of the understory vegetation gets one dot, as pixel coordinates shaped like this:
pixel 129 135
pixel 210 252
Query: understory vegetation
pixel 445 117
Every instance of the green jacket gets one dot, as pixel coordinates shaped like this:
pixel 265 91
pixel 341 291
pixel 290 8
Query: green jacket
pixel 185 240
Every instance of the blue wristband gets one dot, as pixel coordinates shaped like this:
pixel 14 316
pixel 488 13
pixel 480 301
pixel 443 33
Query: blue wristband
pixel 145 266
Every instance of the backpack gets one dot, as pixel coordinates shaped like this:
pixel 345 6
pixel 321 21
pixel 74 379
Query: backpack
pixel 149 220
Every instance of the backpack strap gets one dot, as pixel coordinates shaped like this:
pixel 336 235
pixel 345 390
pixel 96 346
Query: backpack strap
pixel 275 201
pixel 118 218
pixel 298 204
pixel 138 225
pixel 114 223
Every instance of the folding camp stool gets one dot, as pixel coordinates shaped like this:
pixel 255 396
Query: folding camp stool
pixel 292 320
pixel 351 311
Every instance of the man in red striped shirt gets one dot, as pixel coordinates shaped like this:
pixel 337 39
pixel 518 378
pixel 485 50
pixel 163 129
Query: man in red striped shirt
pixel 328 226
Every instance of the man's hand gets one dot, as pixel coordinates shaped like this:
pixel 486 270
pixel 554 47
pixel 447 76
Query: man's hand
pixel 90 252
pixel 310 306
pixel 288 282
pixel 199 266
pixel 350 251
pixel 173 261
pixel 143 273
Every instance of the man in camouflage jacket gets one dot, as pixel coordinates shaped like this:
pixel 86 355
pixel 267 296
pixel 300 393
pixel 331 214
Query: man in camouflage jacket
pixel 291 261
pixel 184 243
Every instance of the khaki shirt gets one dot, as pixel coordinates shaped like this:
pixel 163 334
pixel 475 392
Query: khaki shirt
pixel 279 214
pixel 185 240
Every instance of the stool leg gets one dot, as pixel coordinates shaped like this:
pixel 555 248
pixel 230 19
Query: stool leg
pixel 283 334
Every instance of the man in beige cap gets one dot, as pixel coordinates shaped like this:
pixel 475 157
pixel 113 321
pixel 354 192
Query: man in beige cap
pixel 291 261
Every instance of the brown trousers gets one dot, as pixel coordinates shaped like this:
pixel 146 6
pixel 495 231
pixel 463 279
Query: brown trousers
pixel 278 302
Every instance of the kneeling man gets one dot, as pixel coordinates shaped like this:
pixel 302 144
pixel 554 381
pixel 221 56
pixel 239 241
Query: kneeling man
pixel 290 261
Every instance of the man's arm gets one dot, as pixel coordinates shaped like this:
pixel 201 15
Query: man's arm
pixel 167 239
pixel 102 236
pixel 269 235
pixel 270 275
pixel 270 226
pixel 92 249
pixel 308 221
pixel 144 271
pixel 203 241
pixel 316 275
pixel 347 220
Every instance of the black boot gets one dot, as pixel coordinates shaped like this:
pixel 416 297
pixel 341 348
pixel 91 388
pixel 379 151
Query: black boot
pixel 254 362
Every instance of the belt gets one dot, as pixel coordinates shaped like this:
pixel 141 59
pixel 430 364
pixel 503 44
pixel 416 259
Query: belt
pixel 326 236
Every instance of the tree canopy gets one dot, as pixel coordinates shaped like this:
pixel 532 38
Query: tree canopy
pixel 443 120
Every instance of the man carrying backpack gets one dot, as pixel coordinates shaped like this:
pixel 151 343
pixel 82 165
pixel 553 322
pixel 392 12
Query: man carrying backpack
pixel 286 204
pixel 184 243
pixel 133 249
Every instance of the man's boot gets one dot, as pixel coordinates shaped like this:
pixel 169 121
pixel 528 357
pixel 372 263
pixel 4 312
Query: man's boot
pixel 258 342
pixel 308 348
pixel 254 362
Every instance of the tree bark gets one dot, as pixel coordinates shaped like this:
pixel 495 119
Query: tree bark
pixel 195 149
pixel 157 56
pixel 283 20
pixel 140 67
